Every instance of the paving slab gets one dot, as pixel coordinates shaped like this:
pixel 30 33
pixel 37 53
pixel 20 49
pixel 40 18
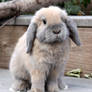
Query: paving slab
pixel 75 84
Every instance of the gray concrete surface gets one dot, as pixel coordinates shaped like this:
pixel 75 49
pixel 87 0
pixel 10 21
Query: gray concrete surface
pixel 81 21
pixel 75 84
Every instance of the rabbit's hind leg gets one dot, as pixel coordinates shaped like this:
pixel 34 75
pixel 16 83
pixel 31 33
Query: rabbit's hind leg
pixel 20 85
pixel 21 79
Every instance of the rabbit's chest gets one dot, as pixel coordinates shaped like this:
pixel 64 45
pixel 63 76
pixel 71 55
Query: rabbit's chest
pixel 53 55
pixel 50 53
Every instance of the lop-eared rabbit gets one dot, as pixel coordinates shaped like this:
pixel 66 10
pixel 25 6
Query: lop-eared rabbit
pixel 38 61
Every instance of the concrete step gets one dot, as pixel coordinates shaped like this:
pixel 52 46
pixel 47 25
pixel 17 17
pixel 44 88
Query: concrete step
pixel 75 84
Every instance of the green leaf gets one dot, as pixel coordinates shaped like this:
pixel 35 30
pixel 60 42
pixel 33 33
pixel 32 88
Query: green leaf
pixel 89 1
pixel 71 8
pixel 87 76
pixel 90 12
pixel 86 2
pixel 3 0
pixel 72 75
pixel 81 1
pixel 74 1
pixel 74 9
pixel 76 71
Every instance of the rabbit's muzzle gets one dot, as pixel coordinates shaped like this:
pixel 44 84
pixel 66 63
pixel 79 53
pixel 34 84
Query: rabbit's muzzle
pixel 56 31
pixel 56 28
pixel 53 33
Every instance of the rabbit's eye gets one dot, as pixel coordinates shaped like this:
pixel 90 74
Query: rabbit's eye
pixel 44 21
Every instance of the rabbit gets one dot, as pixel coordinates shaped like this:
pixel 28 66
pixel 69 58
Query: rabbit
pixel 39 58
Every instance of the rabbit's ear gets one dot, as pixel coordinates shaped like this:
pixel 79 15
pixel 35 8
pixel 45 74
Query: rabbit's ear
pixel 31 34
pixel 73 31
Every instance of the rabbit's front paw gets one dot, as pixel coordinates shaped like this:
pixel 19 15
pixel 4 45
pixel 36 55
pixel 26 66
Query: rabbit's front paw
pixel 35 90
pixel 52 87
pixel 63 86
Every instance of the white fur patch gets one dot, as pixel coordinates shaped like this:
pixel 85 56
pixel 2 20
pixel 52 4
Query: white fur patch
pixel 12 90
pixel 66 87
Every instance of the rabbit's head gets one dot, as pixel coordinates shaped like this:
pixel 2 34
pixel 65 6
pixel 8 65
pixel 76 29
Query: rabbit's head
pixel 50 25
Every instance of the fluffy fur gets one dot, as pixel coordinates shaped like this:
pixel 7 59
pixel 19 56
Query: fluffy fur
pixel 39 58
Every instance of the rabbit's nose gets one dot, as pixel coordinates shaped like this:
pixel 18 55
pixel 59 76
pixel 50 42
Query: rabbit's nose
pixel 56 31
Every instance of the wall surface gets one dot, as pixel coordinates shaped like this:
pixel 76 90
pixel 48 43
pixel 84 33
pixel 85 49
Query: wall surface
pixel 80 57
pixel 8 38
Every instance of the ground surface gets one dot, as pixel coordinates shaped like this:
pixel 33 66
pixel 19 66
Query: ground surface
pixel 75 84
